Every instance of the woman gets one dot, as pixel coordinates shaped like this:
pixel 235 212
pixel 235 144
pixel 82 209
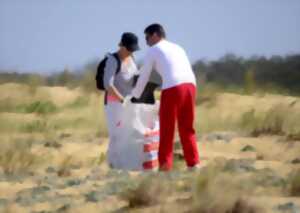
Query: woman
pixel 119 73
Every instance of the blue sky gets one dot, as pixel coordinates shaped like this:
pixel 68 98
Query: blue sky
pixel 50 35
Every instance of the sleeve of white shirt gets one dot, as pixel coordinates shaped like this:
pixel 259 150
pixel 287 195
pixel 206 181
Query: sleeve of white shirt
pixel 110 69
pixel 143 79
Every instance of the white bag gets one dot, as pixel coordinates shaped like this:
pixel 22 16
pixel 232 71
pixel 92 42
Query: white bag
pixel 136 138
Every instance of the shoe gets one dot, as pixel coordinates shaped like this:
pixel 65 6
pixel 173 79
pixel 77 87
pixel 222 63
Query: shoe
pixel 196 167
pixel 164 168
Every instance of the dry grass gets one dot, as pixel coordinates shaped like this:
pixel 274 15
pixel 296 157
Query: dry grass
pixel 53 109
pixel 39 107
pixel 82 116
pixel 74 109
pixel 100 160
pixel 40 125
pixel 278 120
pixel 221 192
pixel 207 94
pixel 295 184
pixel 64 169
pixel 79 102
pixel 16 156
pixel 151 190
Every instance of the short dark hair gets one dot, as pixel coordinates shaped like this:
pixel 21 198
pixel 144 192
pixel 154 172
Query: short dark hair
pixel 155 28
pixel 130 41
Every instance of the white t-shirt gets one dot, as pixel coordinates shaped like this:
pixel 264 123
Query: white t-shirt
pixel 123 80
pixel 171 63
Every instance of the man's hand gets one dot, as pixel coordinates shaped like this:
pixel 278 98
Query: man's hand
pixel 127 100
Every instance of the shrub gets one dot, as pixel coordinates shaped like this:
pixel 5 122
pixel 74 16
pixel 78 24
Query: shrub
pixel 150 191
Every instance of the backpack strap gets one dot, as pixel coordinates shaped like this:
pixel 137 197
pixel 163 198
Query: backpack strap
pixel 118 62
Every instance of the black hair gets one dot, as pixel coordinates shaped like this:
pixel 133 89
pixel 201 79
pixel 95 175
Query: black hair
pixel 155 28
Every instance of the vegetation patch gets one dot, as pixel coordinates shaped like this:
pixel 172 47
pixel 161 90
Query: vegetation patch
pixel 39 107
pixel 16 157
pixel 276 121
pixel 35 126
pixel 151 190
pixel 294 182
pixel 79 102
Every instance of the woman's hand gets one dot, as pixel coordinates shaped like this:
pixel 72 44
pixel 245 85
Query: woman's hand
pixel 114 92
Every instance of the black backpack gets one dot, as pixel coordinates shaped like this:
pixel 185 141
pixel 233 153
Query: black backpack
pixel 100 71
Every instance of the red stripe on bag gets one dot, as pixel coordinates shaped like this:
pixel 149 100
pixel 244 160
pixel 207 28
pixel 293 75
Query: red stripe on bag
pixel 151 146
pixel 151 133
pixel 150 164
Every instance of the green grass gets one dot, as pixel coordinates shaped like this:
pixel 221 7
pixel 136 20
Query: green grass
pixel 80 102
pixel 39 107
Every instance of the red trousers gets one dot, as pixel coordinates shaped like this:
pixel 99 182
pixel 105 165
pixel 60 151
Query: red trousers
pixel 177 105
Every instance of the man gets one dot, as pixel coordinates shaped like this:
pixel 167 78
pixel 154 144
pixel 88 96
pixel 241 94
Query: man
pixel 177 98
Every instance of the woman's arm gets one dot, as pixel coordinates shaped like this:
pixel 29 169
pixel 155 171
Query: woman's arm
pixel 109 77
pixel 112 90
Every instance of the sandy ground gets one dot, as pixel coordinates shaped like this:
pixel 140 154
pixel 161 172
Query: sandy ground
pixel 73 197
pixel 72 177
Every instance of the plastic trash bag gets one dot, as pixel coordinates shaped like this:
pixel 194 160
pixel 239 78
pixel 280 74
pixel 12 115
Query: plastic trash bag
pixel 136 138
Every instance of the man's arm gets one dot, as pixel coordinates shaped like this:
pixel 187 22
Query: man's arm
pixel 145 72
